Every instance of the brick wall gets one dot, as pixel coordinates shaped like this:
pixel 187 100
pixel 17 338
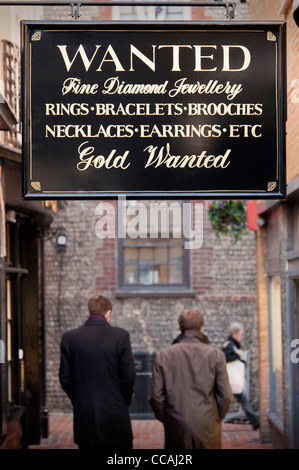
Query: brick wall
pixel 265 10
pixel 103 14
pixel 70 280
pixel 285 232
pixel 219 14
pixel 268 10
pixel 263 332
pixel 201 259
pixel 199 14
pixel 55 13
pixel 293 107
pixel 222 279
pixel 106 258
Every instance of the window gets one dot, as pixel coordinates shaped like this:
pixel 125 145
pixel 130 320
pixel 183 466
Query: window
pixel 276 389
pixel 14 351
pixel 151 13
pixel 295 373
pixel 152 254
pixel 9 340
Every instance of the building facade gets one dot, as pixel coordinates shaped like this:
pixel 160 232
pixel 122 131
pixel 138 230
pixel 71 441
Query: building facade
pixel 22 224
pixel 277 266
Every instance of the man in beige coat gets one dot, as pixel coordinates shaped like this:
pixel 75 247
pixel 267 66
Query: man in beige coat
pixel 190 392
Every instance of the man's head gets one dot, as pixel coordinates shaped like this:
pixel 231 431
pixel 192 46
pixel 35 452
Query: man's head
pixel 191 319
pixel 100 305
pixel 236 331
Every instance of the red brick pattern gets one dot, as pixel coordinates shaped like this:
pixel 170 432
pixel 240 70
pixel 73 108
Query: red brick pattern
pixel 199 14
pixel 104 14
pixel 149 435
pixel 268 10
pixel 293 107
pixel 263 328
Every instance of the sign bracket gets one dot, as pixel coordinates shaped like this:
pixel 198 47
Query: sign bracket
pixel 230 11
pixel 75 10
pixel 76 6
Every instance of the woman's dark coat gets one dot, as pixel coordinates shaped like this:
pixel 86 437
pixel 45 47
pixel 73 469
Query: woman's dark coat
pixel 190 393
pixel 229 349
pixel 97 372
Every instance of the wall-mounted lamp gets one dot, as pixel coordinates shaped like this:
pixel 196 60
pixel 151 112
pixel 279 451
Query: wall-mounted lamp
pixel 261 221
pixel 61 241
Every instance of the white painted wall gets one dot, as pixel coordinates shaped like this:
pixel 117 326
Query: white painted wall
pixel 10 18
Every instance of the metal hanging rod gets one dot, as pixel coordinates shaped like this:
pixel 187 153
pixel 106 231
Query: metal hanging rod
pixel 91 3
pixel 75 6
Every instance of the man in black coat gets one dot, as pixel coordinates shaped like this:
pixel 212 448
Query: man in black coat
pixel 97 372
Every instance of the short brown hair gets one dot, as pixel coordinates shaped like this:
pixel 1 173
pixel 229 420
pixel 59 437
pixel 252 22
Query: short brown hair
pixel 191 319
pixel 99 305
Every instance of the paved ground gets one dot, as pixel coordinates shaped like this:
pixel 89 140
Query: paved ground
pixel 149 435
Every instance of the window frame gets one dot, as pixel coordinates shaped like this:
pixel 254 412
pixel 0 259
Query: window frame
pixel 155 288
pixel 13 316
pixel 275 415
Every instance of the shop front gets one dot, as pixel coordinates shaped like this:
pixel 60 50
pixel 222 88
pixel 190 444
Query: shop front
pixel 22 381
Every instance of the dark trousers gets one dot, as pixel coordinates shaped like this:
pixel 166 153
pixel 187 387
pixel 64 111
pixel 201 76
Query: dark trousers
pixel 251 415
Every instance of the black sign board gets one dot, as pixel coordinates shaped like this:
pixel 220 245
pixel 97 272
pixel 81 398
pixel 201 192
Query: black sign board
pixel 154 110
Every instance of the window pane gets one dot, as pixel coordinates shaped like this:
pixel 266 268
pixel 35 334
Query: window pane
pixel 8 300
pixel 9 382
pixel 276 389
pixel 161 254
pixel 163 274
pixel 131 275
pixel 148 275
pixel 175 275
pixel 9 254
pixel 176 254
pixel 9 341
pixel 146 255
pixel 153 275
pixel 130 254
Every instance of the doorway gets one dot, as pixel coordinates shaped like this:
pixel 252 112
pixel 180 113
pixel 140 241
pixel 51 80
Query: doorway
pixel 295 369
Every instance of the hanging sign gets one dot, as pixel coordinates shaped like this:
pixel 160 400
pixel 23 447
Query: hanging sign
pixel 154 110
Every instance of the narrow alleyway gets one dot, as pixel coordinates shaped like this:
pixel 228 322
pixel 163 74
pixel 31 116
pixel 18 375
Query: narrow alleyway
pixel 150 435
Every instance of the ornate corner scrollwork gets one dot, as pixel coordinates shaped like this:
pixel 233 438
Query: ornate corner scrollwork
pixel 36 36
pixel 271 36
pixel 36 185
pixel 271 185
